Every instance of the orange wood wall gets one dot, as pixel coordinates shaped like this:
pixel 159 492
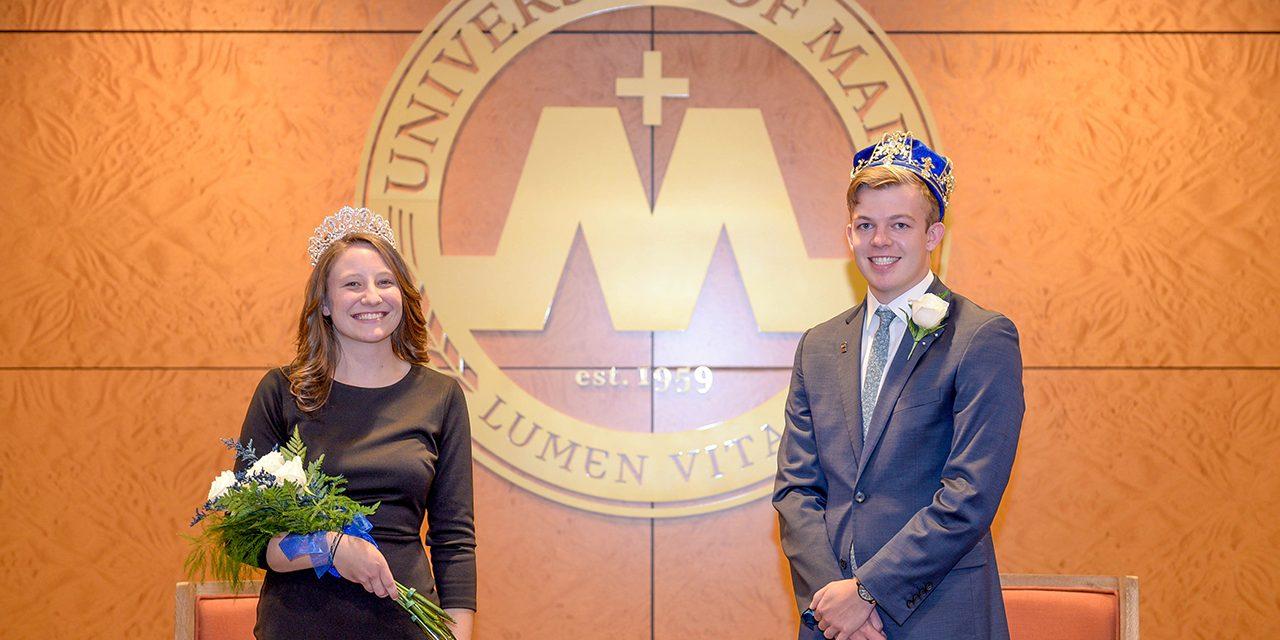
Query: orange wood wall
pixel 1119 173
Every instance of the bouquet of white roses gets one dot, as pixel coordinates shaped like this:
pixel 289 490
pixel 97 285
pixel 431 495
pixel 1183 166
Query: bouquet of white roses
pixel 279 494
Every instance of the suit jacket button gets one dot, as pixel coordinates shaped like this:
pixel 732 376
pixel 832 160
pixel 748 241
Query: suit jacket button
pixel 844 564
pixel 928 586
pixel 859 497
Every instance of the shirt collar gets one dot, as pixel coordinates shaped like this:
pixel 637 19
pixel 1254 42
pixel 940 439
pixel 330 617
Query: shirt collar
pixel 899 305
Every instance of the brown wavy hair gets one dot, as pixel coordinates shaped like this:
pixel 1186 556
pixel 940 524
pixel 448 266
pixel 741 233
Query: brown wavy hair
pixel 311 372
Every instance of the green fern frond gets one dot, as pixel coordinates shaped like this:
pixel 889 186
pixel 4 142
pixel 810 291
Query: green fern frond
pixel 294 447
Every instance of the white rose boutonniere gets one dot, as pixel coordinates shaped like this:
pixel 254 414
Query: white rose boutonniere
pixel 928 316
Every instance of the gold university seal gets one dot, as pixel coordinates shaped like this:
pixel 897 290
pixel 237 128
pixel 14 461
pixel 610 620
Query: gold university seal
pixel 623 215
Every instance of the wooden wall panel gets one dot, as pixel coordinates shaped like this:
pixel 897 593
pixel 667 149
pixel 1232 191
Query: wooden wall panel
pixel 102 470
pixel 334 15
pixel 548 571
pixel 741 587
pixel 1075 15
pixel 1113 195
pixel 1167 475
pixel 100 473
pixel 138 232
pixel 156 172
pixel 929 15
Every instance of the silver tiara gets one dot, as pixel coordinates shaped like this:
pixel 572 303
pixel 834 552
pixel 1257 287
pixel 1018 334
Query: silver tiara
pixel 346 221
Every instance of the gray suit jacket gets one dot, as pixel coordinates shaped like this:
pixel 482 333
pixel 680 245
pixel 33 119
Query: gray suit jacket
pixel 916 500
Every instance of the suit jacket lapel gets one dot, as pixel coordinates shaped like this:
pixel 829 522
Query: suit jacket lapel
pixel 849 374
pixel 899 372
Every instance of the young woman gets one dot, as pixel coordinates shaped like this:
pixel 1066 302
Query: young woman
pixel 360 394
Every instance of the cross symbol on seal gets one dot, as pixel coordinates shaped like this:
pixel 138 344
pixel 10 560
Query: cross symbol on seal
pixel 652 88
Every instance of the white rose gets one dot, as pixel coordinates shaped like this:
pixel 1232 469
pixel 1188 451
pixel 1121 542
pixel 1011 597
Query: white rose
pixel 292 471
pixel 929 311
pixel 269 463
pixel 224 481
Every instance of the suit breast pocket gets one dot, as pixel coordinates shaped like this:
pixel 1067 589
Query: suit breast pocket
pixel 914 399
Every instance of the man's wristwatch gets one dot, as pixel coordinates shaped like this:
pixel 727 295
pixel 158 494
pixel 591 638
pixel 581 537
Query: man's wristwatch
pixel 865 595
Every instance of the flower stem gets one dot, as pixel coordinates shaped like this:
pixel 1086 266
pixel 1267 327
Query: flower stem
pixel 425 613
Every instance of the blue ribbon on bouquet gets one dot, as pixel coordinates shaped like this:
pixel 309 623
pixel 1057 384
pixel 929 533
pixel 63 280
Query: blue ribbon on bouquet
pixel 316 547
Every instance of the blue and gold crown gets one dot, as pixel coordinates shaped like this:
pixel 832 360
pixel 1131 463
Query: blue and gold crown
pixel 901 149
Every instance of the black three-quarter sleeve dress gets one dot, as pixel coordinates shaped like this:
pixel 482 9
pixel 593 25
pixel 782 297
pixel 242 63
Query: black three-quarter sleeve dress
pixel 408 446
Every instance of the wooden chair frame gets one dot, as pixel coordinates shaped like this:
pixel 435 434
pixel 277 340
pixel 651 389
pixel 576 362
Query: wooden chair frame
pixel 184 626
pixel 1125 588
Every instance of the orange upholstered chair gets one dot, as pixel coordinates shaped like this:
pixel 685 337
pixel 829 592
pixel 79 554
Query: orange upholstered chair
pixel 212 611
pixel 1051 607
pixel 1040 607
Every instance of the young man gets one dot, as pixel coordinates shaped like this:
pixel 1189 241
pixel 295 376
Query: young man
pixel 901 427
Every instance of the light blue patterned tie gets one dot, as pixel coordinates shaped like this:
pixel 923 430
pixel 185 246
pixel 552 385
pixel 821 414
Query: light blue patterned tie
pixel 875 368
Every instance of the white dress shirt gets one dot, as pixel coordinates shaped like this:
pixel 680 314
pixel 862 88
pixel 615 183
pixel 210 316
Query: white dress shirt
pixel 897 329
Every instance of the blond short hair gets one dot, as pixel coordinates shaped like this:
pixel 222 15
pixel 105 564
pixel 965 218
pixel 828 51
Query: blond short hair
pixel 886 176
